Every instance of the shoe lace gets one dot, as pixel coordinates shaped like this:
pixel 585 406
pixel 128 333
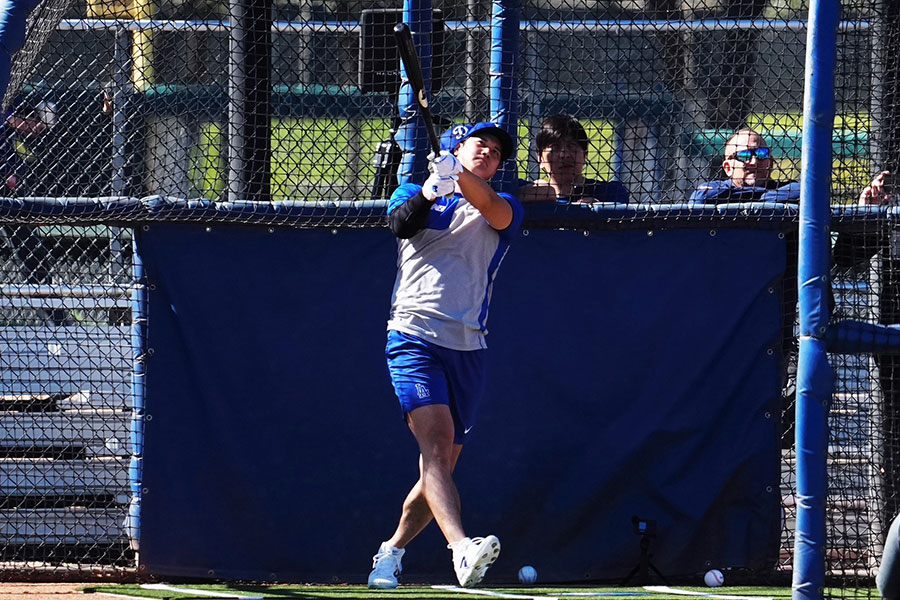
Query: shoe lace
pixel 469 542
pixel 382 556
pixel 460 543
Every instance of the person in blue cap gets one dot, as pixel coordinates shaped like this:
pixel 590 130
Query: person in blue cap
pixel 453 232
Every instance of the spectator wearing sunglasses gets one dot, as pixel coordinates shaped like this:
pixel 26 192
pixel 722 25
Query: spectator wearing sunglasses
pixel 562 150
pixel 748 166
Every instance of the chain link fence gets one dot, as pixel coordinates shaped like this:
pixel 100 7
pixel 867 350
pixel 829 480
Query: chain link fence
pixel 143 100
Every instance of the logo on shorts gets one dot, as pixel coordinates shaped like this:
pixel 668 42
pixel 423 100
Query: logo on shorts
pixel 422 391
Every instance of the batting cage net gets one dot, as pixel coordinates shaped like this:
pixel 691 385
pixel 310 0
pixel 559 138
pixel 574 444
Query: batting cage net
pixel 626 114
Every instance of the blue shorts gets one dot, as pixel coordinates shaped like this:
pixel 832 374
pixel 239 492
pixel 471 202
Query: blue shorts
pixel 424 373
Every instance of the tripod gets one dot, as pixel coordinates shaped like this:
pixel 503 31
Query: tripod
pixel 647 531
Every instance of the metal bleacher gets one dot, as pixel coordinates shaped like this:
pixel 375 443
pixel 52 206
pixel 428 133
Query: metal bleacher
pixel 65 416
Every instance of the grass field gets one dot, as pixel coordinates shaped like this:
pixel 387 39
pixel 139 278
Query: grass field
pixel 315 153
pixel 354 592
pixel 316 157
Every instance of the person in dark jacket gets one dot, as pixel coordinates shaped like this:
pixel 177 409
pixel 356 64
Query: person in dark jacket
pixel 562 150
pixel 853 250
pixel 747 163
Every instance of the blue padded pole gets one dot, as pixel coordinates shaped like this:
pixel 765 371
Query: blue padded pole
pixel 504 84
pixel 139 303
pixel 411 135
pixel 815 380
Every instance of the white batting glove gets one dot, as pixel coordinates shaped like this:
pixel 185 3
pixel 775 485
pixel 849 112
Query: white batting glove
pixel 444 164
pixel 436 186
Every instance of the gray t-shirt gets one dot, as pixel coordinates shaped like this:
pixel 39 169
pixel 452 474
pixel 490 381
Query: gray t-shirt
pixel 445 273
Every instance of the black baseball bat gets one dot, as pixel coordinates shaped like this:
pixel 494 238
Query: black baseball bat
pixel 414 73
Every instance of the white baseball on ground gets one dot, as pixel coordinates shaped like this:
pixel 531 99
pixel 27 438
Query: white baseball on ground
pixel 714 578
pixel 527 574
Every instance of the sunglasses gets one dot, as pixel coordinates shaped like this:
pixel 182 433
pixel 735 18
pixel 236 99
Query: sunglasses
pixel 746 155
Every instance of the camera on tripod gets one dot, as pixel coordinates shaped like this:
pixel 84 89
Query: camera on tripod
pixel 644 526
pixel 646 529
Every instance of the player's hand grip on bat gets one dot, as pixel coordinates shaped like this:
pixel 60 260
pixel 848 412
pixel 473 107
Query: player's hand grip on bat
pixel 444 164
pixel 436 186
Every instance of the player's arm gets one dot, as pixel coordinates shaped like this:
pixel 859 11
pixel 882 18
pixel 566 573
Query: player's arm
pixel 495 210
pixel 410 217
pixel 411 204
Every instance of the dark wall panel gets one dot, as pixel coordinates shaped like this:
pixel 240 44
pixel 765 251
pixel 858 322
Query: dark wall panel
pixel 630 374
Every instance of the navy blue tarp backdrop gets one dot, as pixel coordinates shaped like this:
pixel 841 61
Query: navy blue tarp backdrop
pixel 630 374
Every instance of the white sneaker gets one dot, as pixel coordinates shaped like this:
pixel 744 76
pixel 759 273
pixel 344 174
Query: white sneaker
pixel 386 567
pixel 472 557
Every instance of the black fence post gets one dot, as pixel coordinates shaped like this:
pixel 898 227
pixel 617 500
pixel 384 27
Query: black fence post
pixel 250 109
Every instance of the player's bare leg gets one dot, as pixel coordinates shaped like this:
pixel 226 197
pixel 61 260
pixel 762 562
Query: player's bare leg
pixel 434 496
pixel 432 426
pixel 416 515
pixel 435 464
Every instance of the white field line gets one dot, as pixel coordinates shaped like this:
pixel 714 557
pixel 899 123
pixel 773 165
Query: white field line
pixel 462 590
pixel 600 594
pixel 210 593
pixel 657 589
pixel 111 595
pixel 664 589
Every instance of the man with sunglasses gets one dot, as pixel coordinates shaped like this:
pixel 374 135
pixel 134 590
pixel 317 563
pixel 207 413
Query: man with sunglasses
pixel 748 165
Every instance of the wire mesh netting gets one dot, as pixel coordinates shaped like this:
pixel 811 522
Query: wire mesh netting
pixel 65 396
pixel 144 107
pixel 657 105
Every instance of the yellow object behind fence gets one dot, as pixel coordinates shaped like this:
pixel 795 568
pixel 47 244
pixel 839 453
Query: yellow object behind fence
pixel 141 41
